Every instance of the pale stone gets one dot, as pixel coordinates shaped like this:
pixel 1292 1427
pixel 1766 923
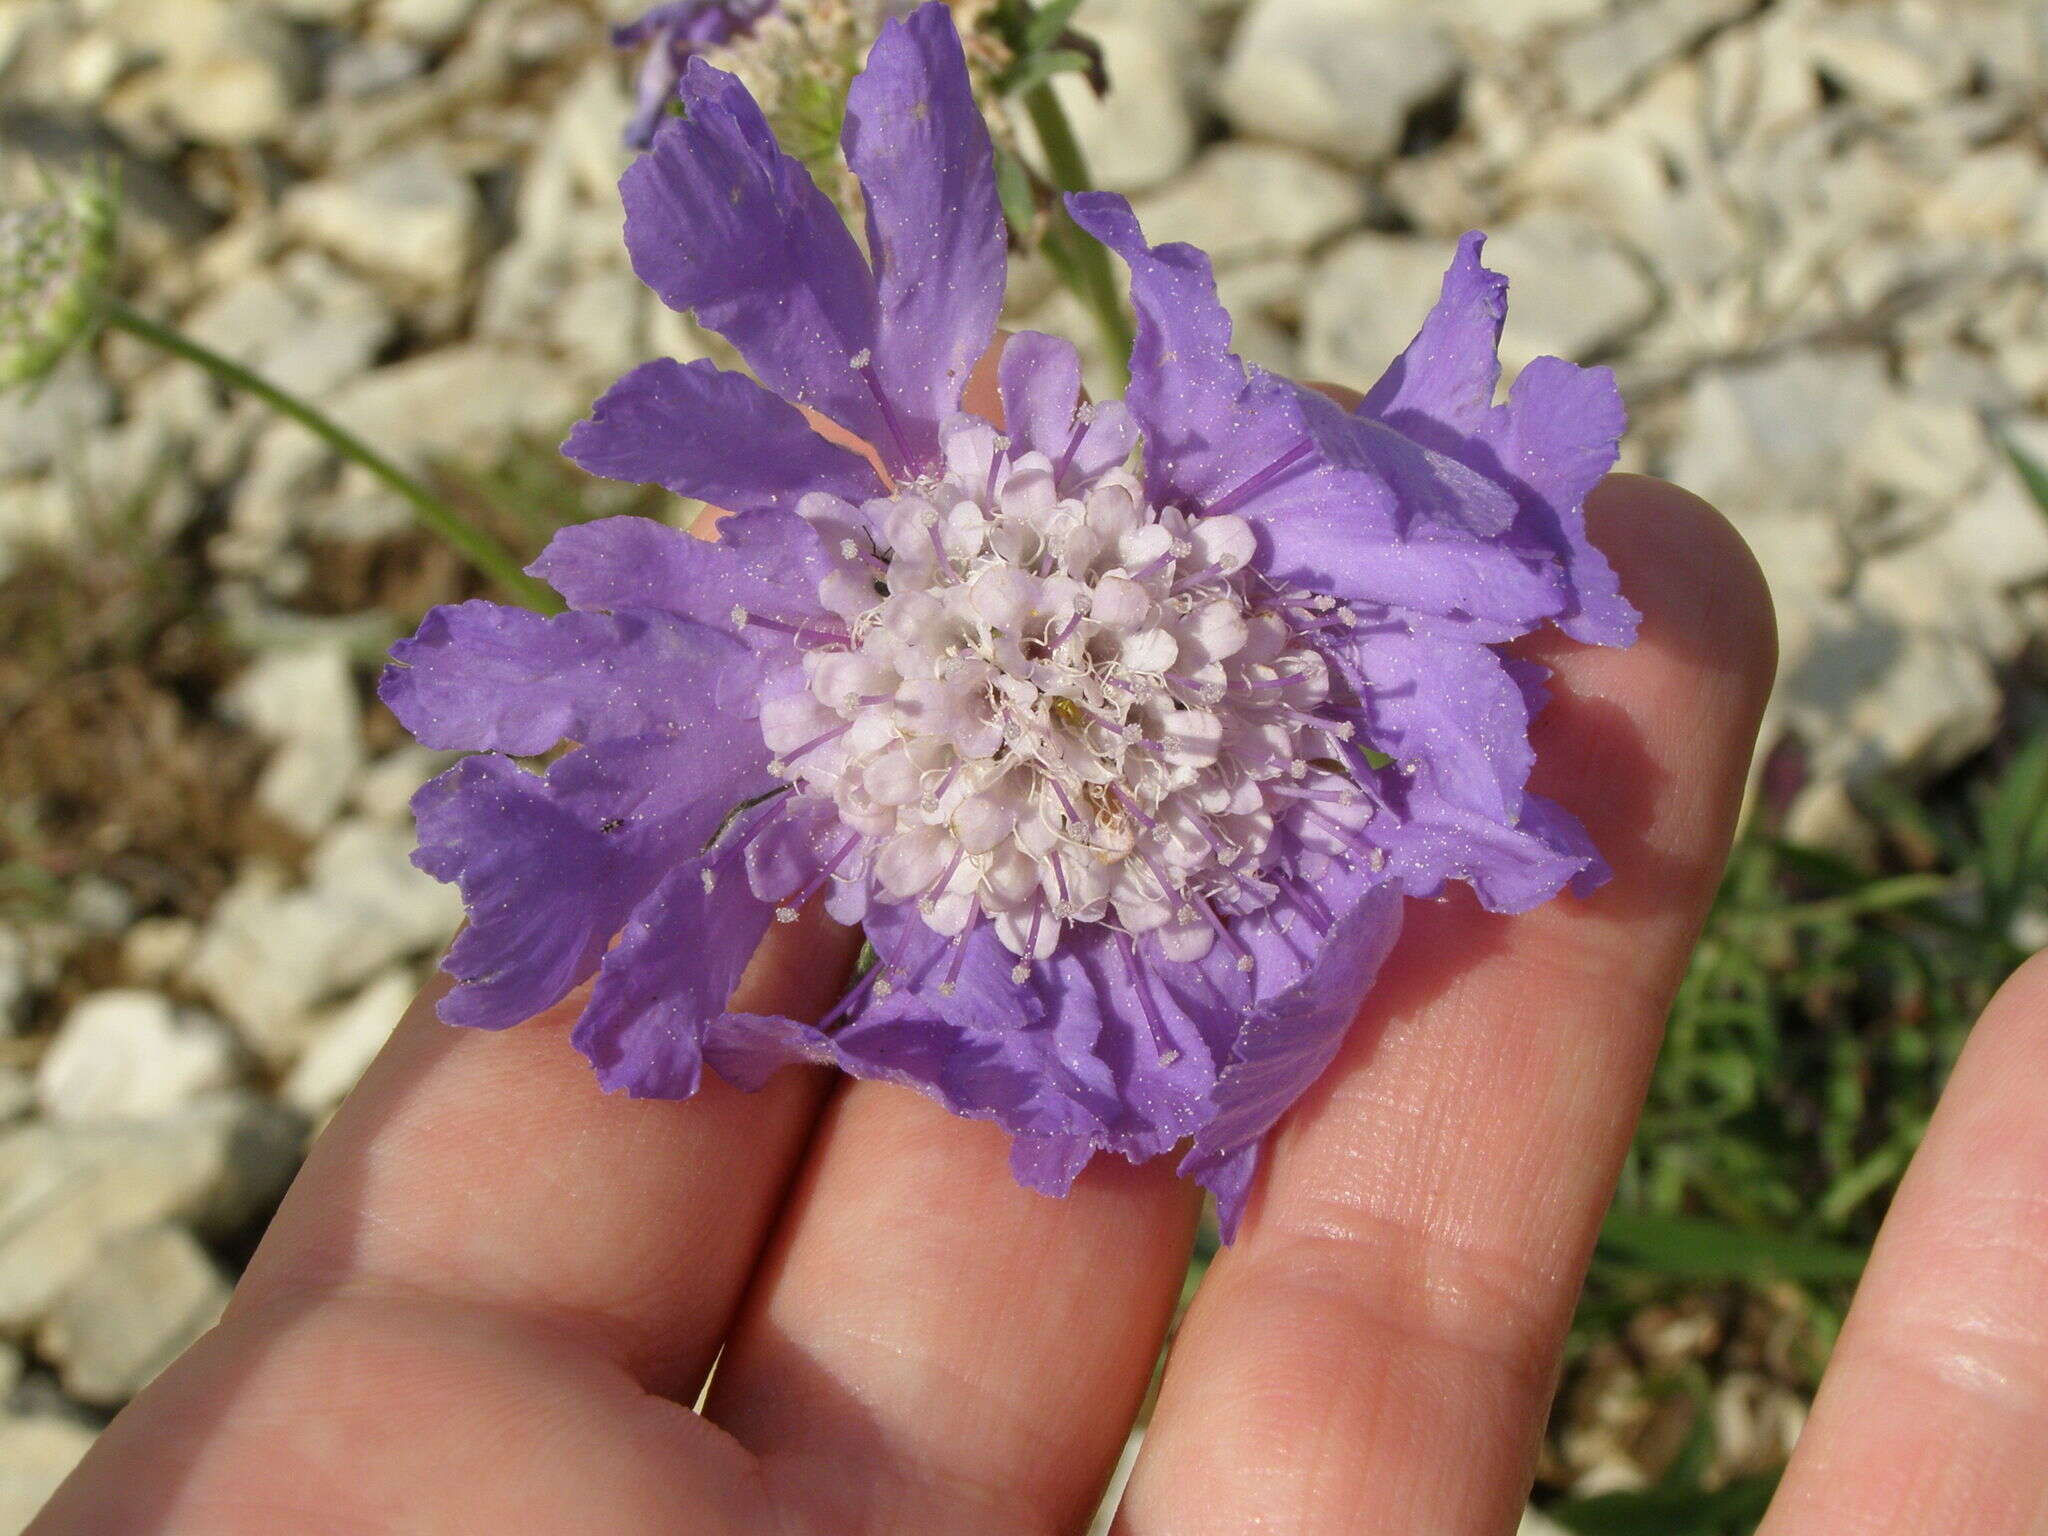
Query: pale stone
pixel 1242 202
pixel 1365 302
pixel 1143 131
pixel 1869 693
pixel 271 955
pixel 1310 72
pixel 66 1190
pixel 307 325
pixel 410 215
pixel 433 22
pixel 155 948
pixel 37 1452
pixel 17 1098
pixel 1571 291
pixel 52 423
pixel 384 791
pixel 148 1296
pixel 1611 57
pixel 1777 433
pixel 1898 55
pixel 345 1041
pixel 597 322
pixel 130 1054
pixel 225 73
pixel 304 700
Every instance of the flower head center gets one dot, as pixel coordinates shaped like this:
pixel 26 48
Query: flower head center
pixel 1054 703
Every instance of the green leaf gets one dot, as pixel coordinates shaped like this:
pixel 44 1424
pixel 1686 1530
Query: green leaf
pixel 1037 68
pixel 2014 824
pixel 1044 29
pixel 2031 472
pixel 1013 186
pixel 1737 1506
pixel 1697 1248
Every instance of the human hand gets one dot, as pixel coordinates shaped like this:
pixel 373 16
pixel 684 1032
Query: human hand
pixel 494 1292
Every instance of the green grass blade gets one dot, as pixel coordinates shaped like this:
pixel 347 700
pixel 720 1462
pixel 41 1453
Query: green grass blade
pixel 1697 1248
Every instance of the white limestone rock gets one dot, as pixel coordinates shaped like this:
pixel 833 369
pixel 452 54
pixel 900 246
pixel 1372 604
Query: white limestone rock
pixel 148 1296
pixel 1314 74
pixel 67 1190
pixel 411 216
pixel 1243 202
pixel 346 1040
pixel 128 1054
pixel 37 1452
pixel 304 699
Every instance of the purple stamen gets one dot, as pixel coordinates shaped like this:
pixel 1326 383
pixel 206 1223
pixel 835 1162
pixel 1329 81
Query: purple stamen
pixel 1131 808
pixel 1327 796
pixel 809 626
pixel 932 893
pixel 1230 940
pixel 960 948
pixel 1081 425
pixel 889 417
pixel 1246 490
pixel 1065 804
pixel 852 997
pixel 1350 837
pixel 1153 564
pixel 1161 1041
pixel 753 829
pixel 792 904
pixel 1311 904
pixel 1061 638
pixel 818 741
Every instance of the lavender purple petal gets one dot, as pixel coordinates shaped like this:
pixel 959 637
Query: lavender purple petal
pixel 936 235
pixel 719 437
pixel 720 222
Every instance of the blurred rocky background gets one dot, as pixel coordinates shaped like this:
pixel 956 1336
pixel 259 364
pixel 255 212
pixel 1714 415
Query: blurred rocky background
pixel 1810 236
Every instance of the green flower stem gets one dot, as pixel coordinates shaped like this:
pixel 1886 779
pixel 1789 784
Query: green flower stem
pixel 1082 259
pixel 482 551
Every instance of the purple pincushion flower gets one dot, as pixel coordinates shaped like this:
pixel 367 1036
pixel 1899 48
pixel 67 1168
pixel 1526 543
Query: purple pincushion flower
pixel 1125 774
pixel 670 34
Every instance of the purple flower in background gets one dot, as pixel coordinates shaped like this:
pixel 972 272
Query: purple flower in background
pixel 671 33
pixel 1125 773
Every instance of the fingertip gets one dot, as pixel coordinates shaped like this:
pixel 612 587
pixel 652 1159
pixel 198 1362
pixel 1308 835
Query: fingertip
pixel 1695 579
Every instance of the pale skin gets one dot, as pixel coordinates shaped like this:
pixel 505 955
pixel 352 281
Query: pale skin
pixel 493 1294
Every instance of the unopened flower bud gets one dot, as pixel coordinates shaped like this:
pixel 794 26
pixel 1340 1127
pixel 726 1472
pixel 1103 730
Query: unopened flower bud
pixel 54 259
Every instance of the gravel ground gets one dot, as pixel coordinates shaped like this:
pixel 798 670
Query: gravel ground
pixel 1811 238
